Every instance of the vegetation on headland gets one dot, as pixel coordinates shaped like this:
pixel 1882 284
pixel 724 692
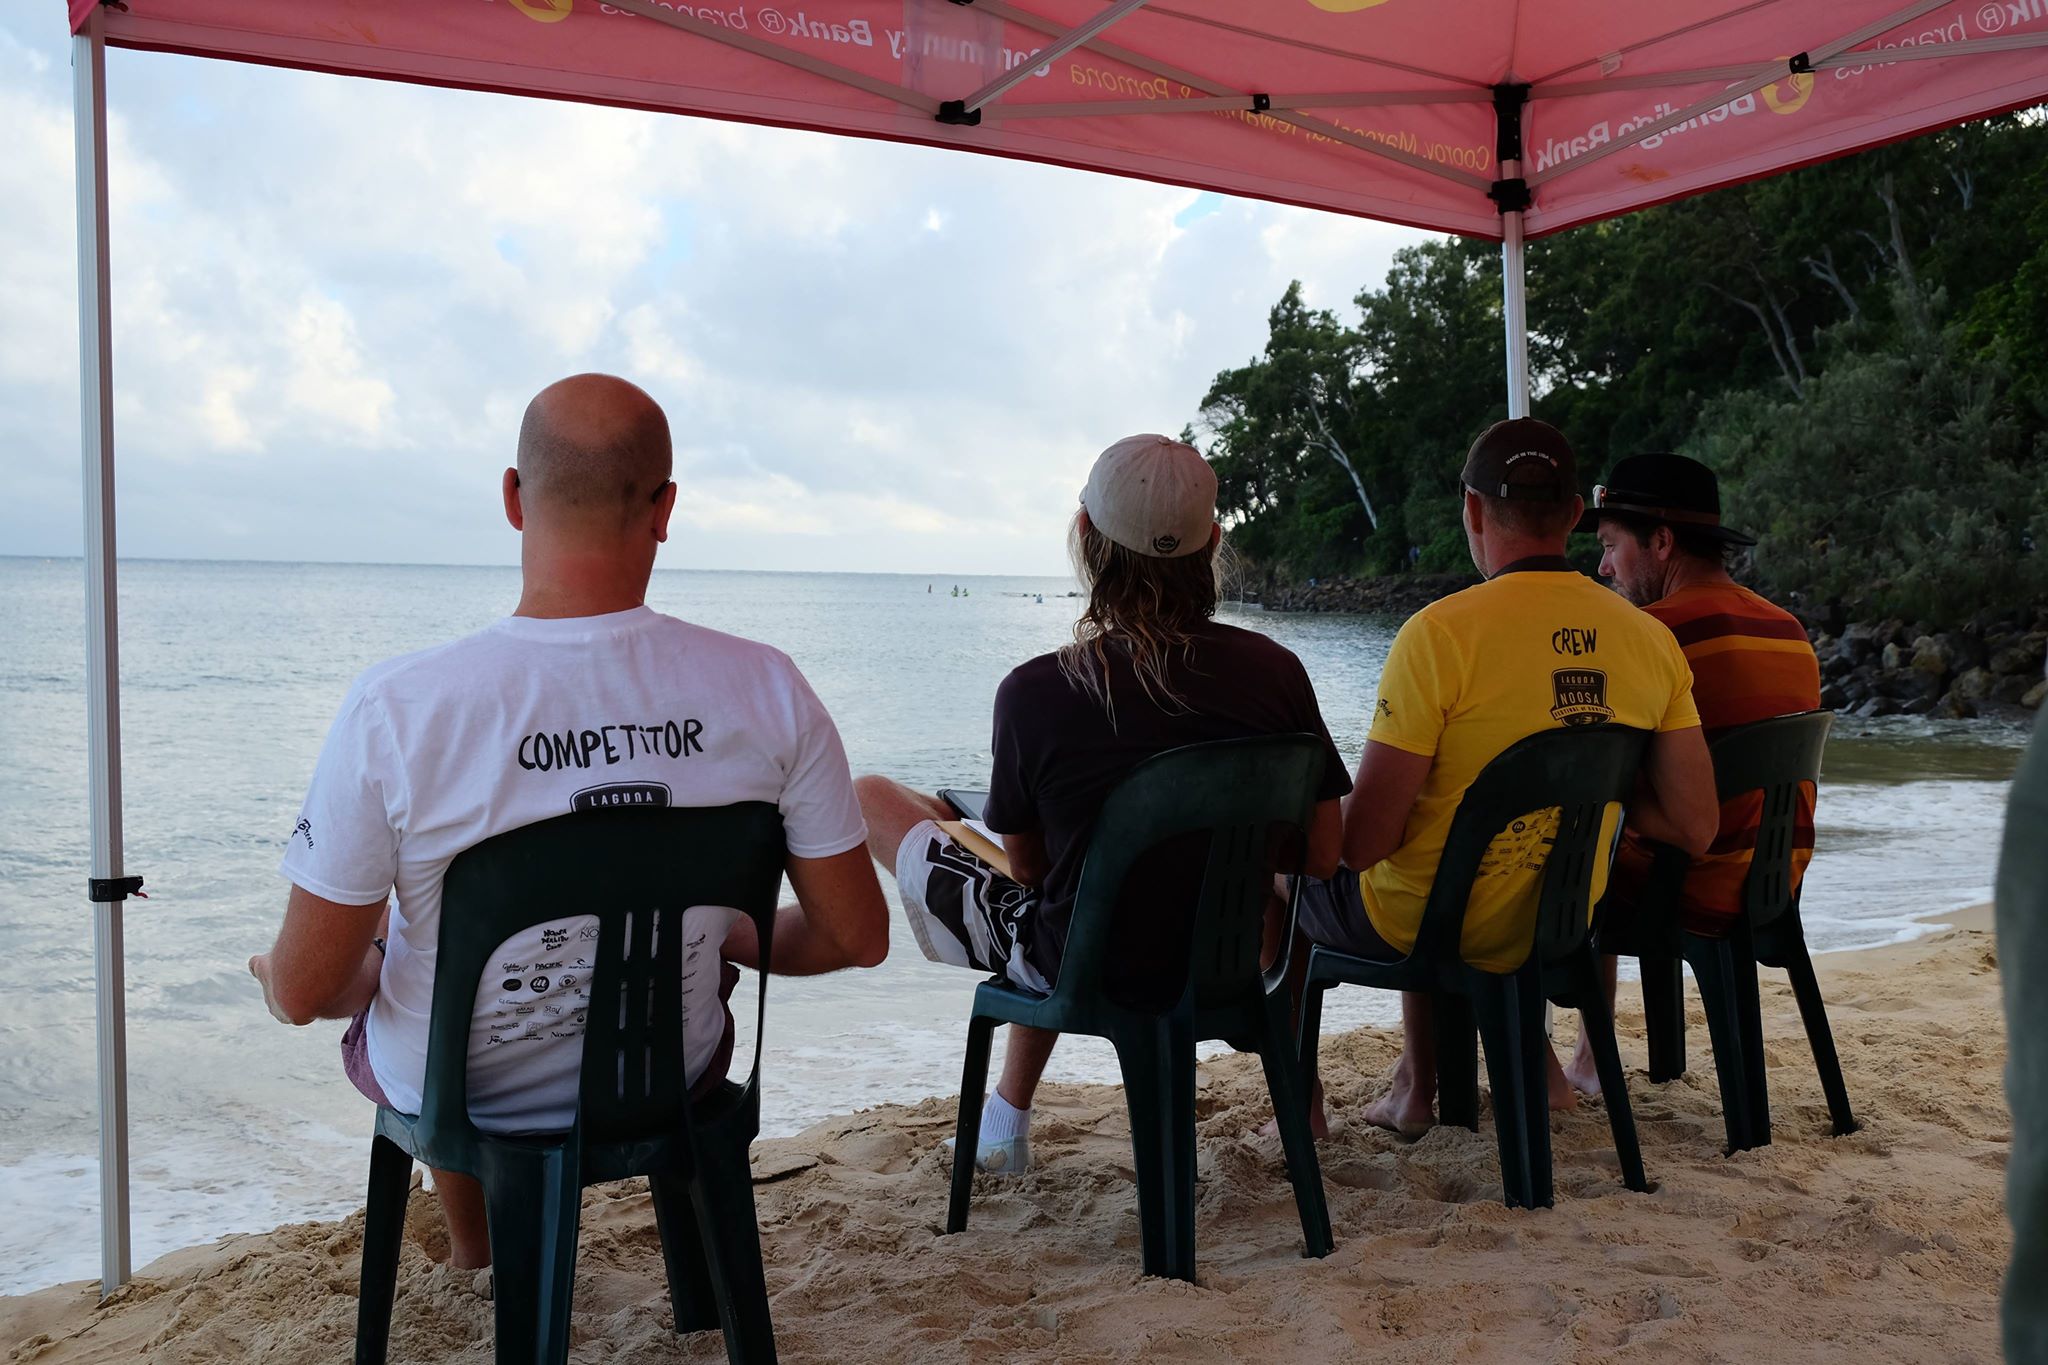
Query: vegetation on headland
pixel 1859 348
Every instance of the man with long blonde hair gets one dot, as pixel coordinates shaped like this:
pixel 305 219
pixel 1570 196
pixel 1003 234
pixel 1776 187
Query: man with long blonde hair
pixel 1148 670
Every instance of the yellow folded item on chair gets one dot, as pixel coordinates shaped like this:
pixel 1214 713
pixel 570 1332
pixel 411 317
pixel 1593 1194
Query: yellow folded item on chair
pixel 969 837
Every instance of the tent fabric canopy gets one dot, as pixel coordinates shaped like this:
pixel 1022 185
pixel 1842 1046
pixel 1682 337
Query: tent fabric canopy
pixel 1380 108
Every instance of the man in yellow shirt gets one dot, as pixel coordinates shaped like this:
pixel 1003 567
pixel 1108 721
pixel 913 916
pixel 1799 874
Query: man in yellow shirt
pixel 1536 646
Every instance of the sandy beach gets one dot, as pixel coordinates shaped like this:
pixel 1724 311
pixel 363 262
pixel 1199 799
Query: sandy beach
pixel 1886 1245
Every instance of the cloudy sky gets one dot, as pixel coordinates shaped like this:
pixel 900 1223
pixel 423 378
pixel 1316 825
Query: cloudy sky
pixel 332 299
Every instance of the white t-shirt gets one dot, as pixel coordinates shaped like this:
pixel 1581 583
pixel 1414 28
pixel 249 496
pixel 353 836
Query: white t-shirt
pixel 526 720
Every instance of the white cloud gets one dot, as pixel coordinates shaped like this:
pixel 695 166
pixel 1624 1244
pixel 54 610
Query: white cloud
pixel 327 379
pixel 873 356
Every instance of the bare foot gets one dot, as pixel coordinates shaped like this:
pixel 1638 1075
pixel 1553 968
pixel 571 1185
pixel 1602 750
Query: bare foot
pixel 1406 1108
pixel 1562 1096
pixel 1583 1074
pixel 1318 1117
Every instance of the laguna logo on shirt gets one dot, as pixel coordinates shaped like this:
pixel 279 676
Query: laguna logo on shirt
pixel 616 795
pixel 1579 696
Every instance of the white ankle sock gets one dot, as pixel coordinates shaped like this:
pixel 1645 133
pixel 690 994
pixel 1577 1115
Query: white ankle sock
pixel 1001 1120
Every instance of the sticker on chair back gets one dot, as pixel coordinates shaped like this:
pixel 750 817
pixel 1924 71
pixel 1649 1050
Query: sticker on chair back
pixel 617 795
pixel 1580 696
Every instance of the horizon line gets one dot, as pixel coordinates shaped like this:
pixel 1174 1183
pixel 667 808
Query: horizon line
pixel 421 564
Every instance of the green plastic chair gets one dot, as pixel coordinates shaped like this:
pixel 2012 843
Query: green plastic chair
pixel 1581 771
pixel 1775 757
pixel 637 871
pixel 1234 792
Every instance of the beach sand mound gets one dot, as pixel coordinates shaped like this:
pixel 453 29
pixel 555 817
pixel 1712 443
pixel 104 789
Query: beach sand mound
pixel 1886 1245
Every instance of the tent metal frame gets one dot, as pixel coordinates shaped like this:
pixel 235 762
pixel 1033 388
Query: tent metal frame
pixel 1510 192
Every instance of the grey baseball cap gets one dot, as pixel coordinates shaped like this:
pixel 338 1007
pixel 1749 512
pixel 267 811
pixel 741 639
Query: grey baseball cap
pixel 1152 495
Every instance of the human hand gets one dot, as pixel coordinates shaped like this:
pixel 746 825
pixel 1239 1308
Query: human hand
pixel 259 967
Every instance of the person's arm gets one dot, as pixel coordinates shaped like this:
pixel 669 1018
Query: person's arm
pixel 1325 840
pixel 839 920
pixel 1029 863
pixel 1015 749
pixel 324 964
pixel 1421 682
pixel 1376 811
pixel 1675 796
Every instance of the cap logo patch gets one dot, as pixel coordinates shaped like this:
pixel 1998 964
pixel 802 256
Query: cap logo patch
pixel 1165 545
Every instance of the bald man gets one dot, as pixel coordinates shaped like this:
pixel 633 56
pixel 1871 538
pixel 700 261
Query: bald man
pixel 582 698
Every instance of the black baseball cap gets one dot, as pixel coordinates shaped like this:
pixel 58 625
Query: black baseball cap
pixel 1664 487
pixel 1524 459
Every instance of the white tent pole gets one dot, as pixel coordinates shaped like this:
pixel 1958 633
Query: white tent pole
pixel 1510 193
pixel 1514 302
pixel 102 634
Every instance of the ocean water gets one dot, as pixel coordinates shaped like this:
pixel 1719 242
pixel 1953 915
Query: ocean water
pixel 231 673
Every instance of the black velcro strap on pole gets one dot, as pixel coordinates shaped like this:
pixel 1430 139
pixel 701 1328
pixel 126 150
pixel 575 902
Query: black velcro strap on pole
pixel 107 890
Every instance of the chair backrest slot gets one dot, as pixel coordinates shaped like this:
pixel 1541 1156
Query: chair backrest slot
pixel 1778 757
pixel 1577 771
pixel 630 870
pixel 1222 797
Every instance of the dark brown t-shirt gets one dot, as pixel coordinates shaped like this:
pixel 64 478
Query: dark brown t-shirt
pixel 1058 754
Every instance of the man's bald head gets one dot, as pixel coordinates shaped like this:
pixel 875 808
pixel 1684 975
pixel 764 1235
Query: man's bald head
pixel 593 452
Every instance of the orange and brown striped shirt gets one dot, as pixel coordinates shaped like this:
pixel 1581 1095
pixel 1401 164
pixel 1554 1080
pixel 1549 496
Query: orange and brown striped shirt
pixel 1750 661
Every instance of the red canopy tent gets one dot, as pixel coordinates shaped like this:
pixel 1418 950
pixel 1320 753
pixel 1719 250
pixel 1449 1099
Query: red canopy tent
pixel 1490 118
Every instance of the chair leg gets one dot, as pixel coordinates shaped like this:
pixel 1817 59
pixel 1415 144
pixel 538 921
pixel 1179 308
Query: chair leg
pixel 1749 1014
pixel 1177 1143
pixel 722 1198
pixel 1599 1026
pixel 1309 1027
pixel 1664 1016
pixel 1145 1096
pixel 1722 983
pixel 1813 1012
pixel 1536 1085
pixel 1457 1060
pixel 1513 1033
pixel 682 1251
pixel 534 1206
pixel 383 1240
pixel 967 1130
pixel 1289 1088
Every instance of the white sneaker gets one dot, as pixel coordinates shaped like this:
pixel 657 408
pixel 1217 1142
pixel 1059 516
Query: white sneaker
pixel 1012 1156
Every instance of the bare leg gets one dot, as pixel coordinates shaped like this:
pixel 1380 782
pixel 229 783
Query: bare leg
pixel 1024 1062
pixel 1582 1075
pixel 891 810
pixel 462 1204
pixel 1409 1106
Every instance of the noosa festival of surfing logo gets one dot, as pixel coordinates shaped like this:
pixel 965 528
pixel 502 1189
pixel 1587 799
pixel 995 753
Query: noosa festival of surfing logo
pixel 1579 696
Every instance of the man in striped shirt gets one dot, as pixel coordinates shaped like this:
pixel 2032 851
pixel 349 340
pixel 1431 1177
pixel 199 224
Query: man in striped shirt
pixel 1663 545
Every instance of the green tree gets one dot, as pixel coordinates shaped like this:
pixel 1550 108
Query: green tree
pixel 1905 483
pixel 1791 331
